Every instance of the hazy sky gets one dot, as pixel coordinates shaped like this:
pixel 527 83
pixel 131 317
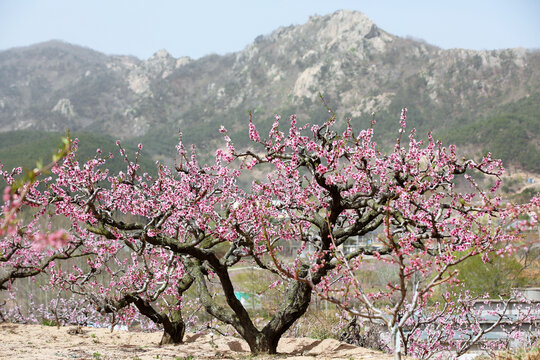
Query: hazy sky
pixel 200 27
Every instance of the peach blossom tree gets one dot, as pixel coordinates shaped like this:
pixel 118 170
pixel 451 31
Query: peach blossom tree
pixel 324 184
pixel 324 187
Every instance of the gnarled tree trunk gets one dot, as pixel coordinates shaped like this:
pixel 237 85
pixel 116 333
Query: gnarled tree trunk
pixel 173 324
pixel 173 329
pixel 265 341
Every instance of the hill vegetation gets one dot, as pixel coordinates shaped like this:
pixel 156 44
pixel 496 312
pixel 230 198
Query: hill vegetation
pixel 26 148
pixel 511 133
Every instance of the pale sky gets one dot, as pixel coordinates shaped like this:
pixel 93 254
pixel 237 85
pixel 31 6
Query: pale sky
pixel 202 27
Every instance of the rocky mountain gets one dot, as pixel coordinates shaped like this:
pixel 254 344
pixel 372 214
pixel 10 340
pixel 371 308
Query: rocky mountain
pixel 358 67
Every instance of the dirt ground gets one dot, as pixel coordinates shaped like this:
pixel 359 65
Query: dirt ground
pixel 46 342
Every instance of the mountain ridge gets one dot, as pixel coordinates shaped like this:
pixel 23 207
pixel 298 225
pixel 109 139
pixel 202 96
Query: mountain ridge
pixel 358 67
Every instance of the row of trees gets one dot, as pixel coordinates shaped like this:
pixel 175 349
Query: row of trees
pixel 148 239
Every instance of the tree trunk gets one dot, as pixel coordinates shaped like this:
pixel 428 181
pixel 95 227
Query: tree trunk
pixel 173 332
pixel 263 344
pixel 295 305
pixel 396 343
pixel 173 324
pixel 265 341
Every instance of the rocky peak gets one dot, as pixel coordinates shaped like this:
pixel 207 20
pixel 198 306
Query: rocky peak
pixel 160 56
pixel 346 29
pixel 343 22
pixel 160 62
pixel 160 65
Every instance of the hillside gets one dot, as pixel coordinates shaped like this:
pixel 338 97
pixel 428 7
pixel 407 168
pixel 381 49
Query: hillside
pixel 26 148
pixel 463 95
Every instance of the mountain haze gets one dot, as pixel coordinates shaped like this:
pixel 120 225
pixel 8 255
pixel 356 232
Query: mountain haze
pixel 358 67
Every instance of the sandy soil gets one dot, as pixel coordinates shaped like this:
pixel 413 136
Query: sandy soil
pixel 44 342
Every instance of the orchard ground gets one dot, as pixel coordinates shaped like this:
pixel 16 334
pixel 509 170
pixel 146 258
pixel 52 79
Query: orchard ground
pixel 49 342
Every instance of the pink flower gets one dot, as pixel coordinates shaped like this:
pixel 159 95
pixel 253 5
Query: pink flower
pixel 321 169
pixel 7 194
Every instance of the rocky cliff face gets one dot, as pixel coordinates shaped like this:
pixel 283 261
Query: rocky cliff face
pixel 359 68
